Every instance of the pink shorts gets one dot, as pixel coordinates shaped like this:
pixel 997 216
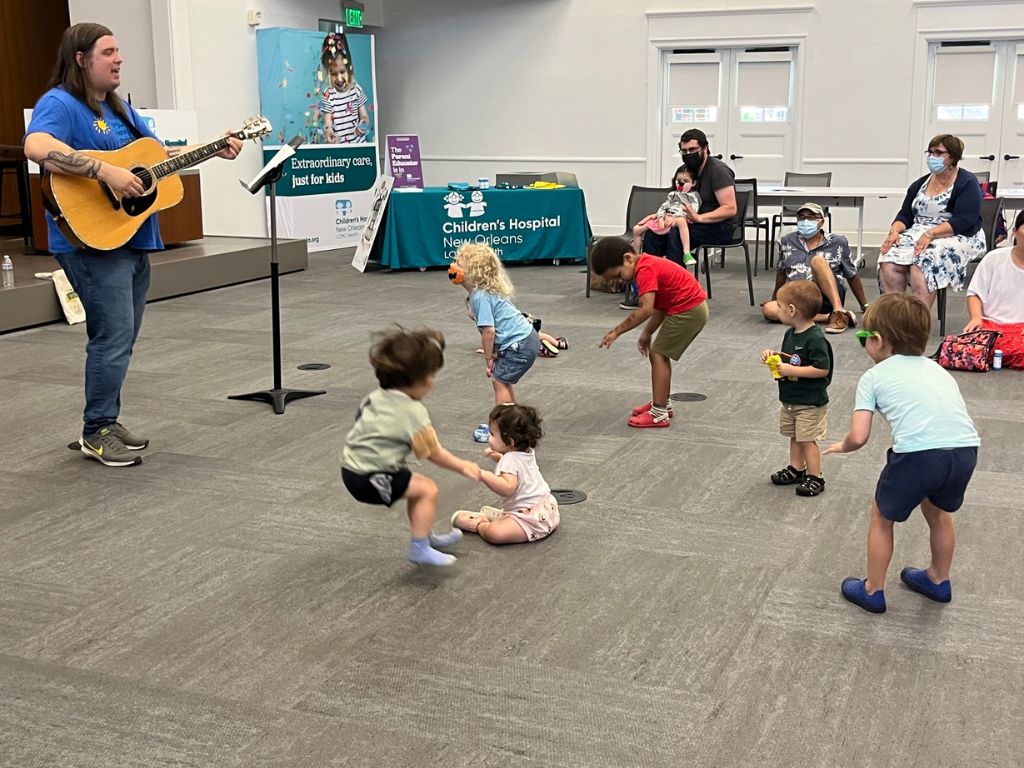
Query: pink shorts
pixel 538 521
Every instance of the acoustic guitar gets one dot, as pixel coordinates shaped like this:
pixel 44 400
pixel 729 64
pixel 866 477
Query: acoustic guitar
pixel 90 215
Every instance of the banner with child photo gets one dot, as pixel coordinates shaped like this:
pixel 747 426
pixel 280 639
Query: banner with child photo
pixel 322 87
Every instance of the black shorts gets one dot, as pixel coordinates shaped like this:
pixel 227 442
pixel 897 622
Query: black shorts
pixel 377 487
pixel 940 475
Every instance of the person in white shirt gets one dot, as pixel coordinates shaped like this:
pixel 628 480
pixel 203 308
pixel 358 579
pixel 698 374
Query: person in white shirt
pixel 995 298
pixel 528 512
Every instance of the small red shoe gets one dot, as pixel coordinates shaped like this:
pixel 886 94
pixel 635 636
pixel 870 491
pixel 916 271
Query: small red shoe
pixel 646 407
pixel 646 421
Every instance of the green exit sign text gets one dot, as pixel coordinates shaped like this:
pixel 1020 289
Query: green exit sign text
pixel 354 17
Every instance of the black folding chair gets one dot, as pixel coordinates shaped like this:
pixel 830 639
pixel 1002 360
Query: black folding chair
pixel 755 221
pixel 737 240
pixel 642 201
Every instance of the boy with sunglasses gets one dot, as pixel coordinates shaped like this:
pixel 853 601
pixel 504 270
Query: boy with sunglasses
pixel 934 447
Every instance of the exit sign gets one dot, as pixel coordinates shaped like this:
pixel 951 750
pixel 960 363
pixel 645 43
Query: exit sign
pixel 354 17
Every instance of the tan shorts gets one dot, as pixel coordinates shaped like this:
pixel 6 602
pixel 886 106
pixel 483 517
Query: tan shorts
pixel 804 423
pixel 677 332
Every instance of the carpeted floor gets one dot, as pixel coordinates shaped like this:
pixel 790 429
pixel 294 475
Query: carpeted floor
pixel 227 604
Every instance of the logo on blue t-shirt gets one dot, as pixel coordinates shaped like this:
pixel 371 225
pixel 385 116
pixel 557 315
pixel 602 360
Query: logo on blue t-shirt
pixel 101 126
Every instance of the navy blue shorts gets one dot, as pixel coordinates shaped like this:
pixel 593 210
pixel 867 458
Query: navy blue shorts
pixel 940 475
pixel 516 359
pixel 377 487
pixel 826 305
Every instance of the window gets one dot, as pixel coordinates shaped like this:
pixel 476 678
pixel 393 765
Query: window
pixel 764 114
pixel 694 114
pixel 962 111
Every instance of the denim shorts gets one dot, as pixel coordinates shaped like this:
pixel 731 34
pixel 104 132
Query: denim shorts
pixel 516 359
pixel 940 475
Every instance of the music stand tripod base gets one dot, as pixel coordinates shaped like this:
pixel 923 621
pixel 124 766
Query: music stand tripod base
pixel 279 398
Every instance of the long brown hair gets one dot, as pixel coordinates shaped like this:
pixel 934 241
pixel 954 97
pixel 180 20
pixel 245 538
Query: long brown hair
pixel 81 38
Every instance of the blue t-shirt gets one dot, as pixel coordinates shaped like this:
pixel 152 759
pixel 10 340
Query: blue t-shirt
pixel 491 310
pixel 921 402
pixel 69 120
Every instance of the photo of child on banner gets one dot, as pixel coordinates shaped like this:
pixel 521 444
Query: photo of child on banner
pixel 318 86
pixel 343 106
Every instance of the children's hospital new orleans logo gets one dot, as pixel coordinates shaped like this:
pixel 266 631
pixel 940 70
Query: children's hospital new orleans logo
pixel 454 203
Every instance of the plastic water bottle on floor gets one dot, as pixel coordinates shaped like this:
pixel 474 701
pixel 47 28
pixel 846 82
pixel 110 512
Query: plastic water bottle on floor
pixel 8 270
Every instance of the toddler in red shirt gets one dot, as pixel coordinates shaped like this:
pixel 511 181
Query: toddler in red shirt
pixel 671 300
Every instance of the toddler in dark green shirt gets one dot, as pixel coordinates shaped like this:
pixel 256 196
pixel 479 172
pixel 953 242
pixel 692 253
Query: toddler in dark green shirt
pixel 804 375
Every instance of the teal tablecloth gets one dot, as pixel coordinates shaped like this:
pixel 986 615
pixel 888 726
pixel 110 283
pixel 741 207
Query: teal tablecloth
pixel 425 229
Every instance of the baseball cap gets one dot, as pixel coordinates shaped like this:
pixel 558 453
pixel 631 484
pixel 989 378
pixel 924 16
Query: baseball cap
pixel 813 208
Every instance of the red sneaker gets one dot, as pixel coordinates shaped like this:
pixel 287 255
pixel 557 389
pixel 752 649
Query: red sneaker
pixel 646 421
pixel 646 407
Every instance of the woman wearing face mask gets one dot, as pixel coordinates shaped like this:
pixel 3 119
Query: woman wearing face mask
pixel 938 229
pixel 811 254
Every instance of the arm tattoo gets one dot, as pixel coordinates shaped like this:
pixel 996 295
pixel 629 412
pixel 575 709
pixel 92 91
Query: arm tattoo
pixel 74 164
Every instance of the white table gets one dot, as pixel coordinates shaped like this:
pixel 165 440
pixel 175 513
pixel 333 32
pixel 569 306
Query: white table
pixel 831 197
pixel 1013 199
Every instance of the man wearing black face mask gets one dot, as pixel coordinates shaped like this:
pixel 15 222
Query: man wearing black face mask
pixel 717 189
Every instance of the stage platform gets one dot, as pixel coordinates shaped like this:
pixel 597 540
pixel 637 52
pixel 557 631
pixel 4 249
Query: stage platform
pixel 212 262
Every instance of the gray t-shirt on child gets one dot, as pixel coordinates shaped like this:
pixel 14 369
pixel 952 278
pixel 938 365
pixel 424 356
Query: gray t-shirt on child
pixel 388 426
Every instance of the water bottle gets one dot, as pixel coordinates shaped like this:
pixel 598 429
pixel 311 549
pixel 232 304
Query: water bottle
pixel 997 355
pixel 8 270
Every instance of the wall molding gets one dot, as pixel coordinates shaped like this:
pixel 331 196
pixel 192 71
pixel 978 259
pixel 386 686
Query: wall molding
pixel 973 4
pixel 744 10
pixel 856 160
pixel 530 159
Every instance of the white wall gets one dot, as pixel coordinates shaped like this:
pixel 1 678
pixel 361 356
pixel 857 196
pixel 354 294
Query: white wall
pixel 566 84
pixel 492 85
pixel 132 26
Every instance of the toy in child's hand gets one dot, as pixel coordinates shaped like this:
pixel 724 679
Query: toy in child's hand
pixel 456 273
pixel 773 362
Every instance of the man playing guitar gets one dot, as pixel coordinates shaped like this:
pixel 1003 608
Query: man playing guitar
pixel 82 111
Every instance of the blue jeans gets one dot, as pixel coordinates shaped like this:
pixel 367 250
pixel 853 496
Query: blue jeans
pixel 671 245
pixel 112 286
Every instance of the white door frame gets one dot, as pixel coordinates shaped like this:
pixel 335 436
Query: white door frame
pixel 666 30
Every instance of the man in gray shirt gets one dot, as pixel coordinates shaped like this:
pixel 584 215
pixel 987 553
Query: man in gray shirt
pixel 717 188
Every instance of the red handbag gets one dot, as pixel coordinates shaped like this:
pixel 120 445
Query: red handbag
pixel 971 351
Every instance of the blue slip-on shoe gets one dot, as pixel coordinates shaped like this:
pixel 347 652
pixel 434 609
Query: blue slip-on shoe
pixel 481 433
pixel 917 580
pixel 853 589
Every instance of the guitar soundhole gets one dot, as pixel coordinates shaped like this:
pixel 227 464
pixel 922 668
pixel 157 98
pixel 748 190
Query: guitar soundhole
pixel 134 206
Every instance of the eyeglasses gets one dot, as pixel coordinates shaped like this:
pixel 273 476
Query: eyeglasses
pixel 863 336
pixel 689 152
pixel 808 217
pixel 936 153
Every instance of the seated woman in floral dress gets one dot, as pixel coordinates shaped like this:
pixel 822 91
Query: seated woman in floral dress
pixel 938 229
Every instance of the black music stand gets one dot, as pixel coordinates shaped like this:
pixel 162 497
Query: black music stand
pixel 268 177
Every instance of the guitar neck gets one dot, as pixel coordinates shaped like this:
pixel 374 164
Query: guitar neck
pixel 187 159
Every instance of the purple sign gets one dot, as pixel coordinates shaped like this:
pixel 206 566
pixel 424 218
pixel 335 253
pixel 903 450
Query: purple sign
pixel 404 161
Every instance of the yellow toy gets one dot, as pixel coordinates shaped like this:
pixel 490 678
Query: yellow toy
pixel 773 362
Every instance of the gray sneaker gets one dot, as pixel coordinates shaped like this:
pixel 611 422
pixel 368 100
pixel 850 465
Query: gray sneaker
pixel 131 442
pixel 107 448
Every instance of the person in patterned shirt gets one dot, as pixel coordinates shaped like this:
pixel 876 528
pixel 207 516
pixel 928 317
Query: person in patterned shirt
pixel 811 254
